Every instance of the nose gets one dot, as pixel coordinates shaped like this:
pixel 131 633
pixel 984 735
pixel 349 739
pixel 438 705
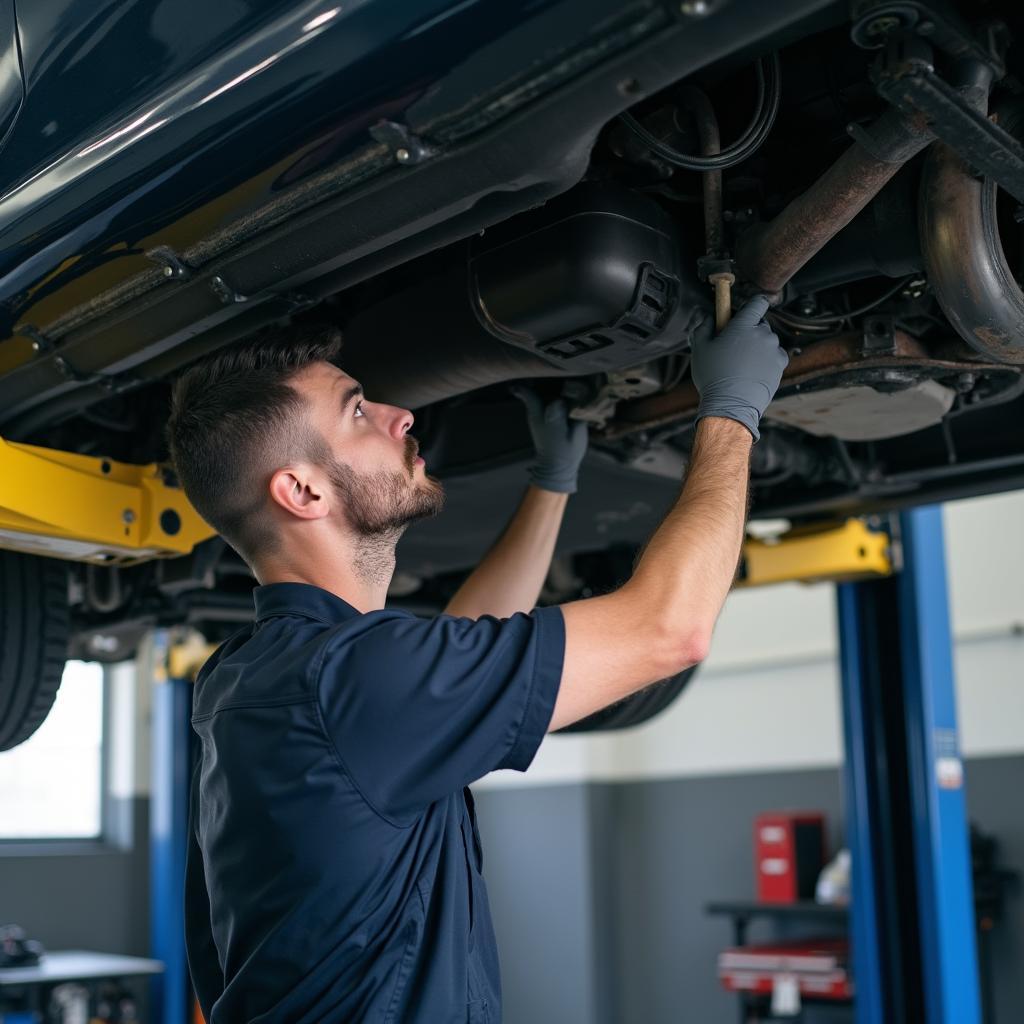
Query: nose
pixel 400 421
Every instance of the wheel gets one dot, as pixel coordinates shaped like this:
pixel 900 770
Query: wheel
pixel 636 708
pixel 34 628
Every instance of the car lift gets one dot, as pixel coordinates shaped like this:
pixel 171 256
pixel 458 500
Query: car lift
pixel 912 920
pixel 90 509
pixel 912 910
pixel 912 913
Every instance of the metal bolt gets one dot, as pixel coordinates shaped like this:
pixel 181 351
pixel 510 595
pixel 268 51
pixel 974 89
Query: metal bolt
pixel 880 26
pixel 695 8
pixel 106 644
pixel 168 271
pixel 128 516
pixel 36 346
pixel 403 156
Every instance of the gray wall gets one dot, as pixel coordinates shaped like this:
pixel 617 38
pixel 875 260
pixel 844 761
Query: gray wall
pixel 994 788
pixel 97 899
pixel 538 868
pixel 642 949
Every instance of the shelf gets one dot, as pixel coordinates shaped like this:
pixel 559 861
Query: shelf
pixel 78 965
pixel 804 910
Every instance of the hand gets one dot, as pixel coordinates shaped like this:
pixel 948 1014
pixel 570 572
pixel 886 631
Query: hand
pixel 738 373
pixel 560 442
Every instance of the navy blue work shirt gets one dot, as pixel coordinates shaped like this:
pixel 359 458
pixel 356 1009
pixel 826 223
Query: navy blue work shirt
pixel 334 865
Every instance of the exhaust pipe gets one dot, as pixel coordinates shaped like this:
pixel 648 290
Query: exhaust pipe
pixel 768 255
pixel 964 258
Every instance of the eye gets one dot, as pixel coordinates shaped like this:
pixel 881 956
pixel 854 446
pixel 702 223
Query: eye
pixel 359 409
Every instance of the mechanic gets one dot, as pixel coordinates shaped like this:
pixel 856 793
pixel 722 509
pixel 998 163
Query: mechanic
pixel 334 865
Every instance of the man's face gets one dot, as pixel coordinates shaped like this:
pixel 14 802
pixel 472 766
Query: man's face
pixel 371 459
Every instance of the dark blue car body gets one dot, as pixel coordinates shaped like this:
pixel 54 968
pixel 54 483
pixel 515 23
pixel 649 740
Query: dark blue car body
pixel 175 169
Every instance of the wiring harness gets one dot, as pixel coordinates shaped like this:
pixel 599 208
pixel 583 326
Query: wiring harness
pixel 769 93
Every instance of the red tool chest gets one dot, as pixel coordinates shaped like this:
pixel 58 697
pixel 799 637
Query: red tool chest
pixel 789 851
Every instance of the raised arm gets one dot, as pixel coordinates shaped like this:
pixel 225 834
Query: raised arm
pixel 510 576
pixel 660 621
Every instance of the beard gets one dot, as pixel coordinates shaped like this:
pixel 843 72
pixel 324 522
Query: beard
pixel 385 502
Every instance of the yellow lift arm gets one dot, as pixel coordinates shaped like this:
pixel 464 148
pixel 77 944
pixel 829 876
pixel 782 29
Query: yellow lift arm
pixel 89 509
pixel 836 553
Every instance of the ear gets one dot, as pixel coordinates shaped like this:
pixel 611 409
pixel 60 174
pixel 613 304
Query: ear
pixel 299 492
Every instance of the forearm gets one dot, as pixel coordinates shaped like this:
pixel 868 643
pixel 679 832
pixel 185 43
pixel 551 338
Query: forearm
pixel 687 568
pixel 511 574
pixel 660 621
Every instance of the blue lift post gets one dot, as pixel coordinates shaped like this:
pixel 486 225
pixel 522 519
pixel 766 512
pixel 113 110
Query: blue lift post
pixel 171 773
pixel 912 926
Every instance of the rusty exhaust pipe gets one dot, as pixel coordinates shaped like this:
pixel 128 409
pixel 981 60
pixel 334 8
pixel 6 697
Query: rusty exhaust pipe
pixel 966 265
pixel 768 255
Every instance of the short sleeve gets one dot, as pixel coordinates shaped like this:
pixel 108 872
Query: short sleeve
pixel 418 708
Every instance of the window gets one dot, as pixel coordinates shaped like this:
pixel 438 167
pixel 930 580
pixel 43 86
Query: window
pixel 51 785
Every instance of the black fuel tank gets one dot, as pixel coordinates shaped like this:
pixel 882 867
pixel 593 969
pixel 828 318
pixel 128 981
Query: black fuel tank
pixel 591 281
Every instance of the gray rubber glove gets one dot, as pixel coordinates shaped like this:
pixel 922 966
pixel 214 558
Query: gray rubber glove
pixel 738 373
pixel 559 441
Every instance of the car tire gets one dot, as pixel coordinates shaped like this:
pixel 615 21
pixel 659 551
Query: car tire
pixel 637 708
pixel 34 629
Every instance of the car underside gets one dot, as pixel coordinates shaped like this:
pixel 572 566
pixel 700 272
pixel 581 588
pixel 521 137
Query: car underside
pixel 568 196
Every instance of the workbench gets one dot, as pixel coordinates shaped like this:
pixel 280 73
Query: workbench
pixel 30 987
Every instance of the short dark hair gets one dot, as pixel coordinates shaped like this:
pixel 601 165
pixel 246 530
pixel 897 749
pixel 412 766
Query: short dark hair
pixel 235 420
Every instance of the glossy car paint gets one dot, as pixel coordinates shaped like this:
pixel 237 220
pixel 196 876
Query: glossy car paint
pixel 12 87
pixel 199 127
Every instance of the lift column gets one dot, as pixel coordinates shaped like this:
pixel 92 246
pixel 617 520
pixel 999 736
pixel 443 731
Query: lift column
pixel 912 914
pixel 173 665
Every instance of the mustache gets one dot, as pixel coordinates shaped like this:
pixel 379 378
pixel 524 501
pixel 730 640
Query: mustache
pixel 412 449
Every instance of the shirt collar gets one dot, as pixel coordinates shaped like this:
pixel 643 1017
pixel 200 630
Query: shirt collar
pixel 302 599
